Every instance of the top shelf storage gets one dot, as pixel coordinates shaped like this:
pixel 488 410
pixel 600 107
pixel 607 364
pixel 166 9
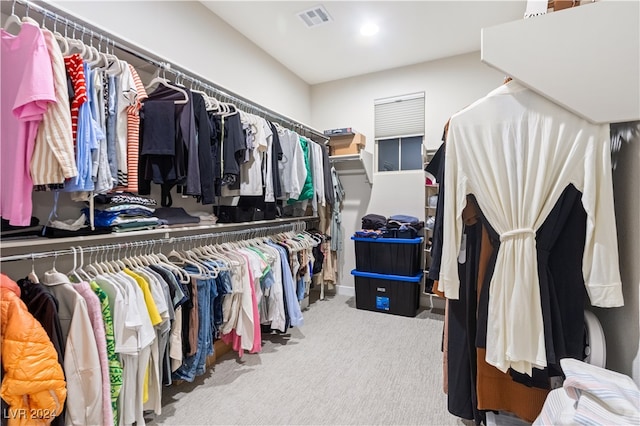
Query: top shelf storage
pixel 361 162
pixel 586 59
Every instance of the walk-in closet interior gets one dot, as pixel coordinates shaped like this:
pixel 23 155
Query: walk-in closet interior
pixel 338 212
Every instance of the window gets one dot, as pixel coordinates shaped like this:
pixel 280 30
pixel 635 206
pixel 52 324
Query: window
pixel 398 154
pixel 399 123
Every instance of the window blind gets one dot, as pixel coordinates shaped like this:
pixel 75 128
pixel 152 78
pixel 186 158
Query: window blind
pixel 399 116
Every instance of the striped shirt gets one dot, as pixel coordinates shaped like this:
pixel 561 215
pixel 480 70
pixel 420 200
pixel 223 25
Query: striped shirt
pixel 126 98
pixel 53 157
pixel 133 132
pixel 75 69
pixel 591 395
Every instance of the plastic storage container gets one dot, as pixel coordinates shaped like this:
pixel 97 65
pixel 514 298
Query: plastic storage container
pixel 392 294
pixel 395 256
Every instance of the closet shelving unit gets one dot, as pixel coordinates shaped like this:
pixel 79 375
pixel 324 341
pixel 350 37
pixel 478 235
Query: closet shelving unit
pixel 585 58
pixel 355 163
pixel 429 211
pixel 129 49
pixel 14 249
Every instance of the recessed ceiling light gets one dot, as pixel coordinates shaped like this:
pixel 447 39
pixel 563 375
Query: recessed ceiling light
pixel 369 29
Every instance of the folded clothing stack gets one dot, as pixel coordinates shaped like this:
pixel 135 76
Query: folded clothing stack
pixel 34 229
pixel 125 217
pixel 116 198
pixel 124 212
pixel 403 226
pixel 397 226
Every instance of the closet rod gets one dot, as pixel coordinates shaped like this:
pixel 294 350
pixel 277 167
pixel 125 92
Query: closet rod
pixel 224 236
pixel 56 14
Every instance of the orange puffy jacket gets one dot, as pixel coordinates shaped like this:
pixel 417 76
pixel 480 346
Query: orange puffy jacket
pixel 32 379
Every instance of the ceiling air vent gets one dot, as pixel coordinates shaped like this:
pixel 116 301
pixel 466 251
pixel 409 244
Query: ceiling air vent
pixel 315 16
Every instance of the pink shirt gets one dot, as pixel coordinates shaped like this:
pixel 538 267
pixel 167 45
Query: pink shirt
pixel 27 88
pixel 97 323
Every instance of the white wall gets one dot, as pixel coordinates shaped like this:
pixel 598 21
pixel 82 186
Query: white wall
pixel 190 35
pixel 449 85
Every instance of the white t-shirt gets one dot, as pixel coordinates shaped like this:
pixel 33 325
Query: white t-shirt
pixel 293 172
pixel 126 97
pixel 251 171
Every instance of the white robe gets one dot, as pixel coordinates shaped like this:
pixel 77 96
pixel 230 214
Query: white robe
pixel 516 152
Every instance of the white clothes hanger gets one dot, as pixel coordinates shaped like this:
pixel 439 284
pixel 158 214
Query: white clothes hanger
pixel 113 66
pixel 163 81
pixel 75 44
pixel 99 59
pixel 62 41
pixel 13 21
pixel 32 275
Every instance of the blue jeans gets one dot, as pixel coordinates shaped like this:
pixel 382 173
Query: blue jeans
pixel 223 283
pixel 195 365
pixel 301 288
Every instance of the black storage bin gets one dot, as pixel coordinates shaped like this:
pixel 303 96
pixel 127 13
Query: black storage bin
pixel 395 256
pixel 392 294
pixel 249 209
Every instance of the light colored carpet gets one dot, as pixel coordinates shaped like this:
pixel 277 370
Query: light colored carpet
pixel 343 367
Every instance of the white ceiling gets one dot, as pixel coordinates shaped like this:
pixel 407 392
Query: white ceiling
pixel 410 32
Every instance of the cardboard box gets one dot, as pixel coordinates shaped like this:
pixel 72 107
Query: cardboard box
pixel 346 145
pixel 564 4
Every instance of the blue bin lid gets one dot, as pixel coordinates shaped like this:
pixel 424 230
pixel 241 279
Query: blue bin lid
pixel 389 240
pixel 373 275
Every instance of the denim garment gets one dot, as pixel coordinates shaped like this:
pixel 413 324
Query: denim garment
pixel 301 288
pixel 223 283
pixel 194 365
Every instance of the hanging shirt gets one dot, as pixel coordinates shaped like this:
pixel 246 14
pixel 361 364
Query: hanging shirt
pixel 94 309
pixel 115 367
pixel 251 179
pixel 292 305
pixel 317 174
pixel 205 150
pixel 273 190
pixel 292 168
pixel 112 108
pixel 27 89
pixel 516 152
pixel 81 360
pixel 126 98
pixel 101 173
pixel 75 70
pixel 86 138
pixel 53 156
pixel 133 131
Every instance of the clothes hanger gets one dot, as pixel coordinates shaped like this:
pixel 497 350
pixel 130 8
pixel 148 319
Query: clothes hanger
pixel 32 275
pixel 163 81
pixel 79 270
pixel 76 44
pixel 116 262
pixel 13 20
pixel 113 67
pixel 72 273
pixel 183 276
pixel 182 260
pixel 99 59
pixel 62 40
